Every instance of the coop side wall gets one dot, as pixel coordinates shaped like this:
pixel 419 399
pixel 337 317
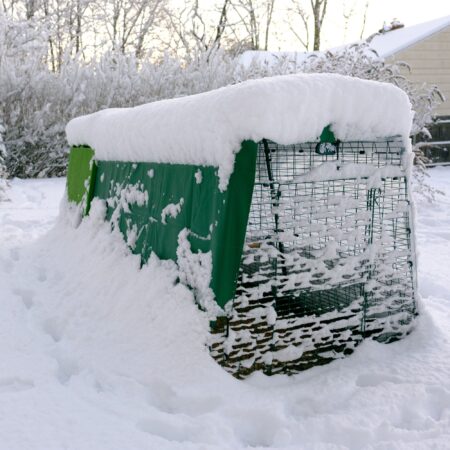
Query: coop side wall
pixel 161 208
pixel 81 177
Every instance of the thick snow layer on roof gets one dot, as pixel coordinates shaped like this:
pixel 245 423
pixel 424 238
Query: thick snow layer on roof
pixel 208 128
pixel 392 42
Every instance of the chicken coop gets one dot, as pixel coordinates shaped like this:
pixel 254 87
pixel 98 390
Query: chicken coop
pixel 301 246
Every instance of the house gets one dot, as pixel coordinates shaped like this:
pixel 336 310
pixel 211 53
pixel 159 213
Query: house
pixel 426 49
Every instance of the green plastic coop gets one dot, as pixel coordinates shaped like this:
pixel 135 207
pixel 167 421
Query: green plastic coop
pixel 308 250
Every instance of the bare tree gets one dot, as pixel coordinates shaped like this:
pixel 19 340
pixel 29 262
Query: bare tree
pixel 319 9
pixel 222 23
pixel 76 19
pixel 196 27
pixel 363 27
pixel 248 20
pixel 253 22
pixel 30 6
pixel 297 11
pixel 175 20
pixel 13 8
pixel 349 12
pixel 269 14
pixel 311 21
pixel 128 24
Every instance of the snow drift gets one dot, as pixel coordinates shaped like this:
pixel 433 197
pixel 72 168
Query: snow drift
pixel 89 361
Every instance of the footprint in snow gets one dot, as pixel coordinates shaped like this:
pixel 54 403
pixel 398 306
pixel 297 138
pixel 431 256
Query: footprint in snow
pixel 42 274
pixel 14 253
pixel 53 328
pixel 162 396
pixel 170 429
pixel 67 368
pixel 6 265
pixel 438 402
pixel 13 384
pixel 26 295
pixel 375 379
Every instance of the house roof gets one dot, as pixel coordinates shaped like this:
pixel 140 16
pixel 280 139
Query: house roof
pixel 391 42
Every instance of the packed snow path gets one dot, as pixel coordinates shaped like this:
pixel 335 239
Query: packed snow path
pixel 96 354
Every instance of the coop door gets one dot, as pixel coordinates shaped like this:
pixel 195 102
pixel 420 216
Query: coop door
pixel 309 230
pixel 327 259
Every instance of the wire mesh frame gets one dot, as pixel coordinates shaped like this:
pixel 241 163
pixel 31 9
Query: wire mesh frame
pixel 309 244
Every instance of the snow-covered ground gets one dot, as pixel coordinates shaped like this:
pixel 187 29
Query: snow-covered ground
pixel 97 354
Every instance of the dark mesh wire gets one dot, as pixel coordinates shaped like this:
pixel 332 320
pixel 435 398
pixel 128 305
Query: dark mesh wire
pixel 310 239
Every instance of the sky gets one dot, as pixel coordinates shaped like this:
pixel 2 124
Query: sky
pixel 409 12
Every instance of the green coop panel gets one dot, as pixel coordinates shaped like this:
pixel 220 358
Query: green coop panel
pixel 152 203
pixel 81 176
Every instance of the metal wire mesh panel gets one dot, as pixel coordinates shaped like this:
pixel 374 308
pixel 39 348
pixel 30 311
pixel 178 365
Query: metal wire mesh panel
pixel 327 259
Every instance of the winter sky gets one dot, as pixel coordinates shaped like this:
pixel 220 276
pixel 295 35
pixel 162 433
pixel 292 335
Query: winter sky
pixel 409 12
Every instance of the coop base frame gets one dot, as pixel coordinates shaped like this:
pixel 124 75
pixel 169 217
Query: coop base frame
pixel 287 346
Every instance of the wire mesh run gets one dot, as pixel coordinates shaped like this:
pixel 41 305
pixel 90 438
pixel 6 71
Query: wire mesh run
pixel 327 259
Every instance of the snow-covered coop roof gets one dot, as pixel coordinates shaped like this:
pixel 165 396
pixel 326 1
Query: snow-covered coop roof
pixel 391 42
pixel 208 128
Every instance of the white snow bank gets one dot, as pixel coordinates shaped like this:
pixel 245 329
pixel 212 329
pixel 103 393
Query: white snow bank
pixel 208 128
pixel 99 354
pixel 148 321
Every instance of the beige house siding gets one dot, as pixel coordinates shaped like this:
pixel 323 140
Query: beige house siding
pixel 430 63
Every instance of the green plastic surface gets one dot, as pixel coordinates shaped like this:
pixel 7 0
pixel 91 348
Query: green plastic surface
pixel 217 220
pixel 327 135
pixel 81 175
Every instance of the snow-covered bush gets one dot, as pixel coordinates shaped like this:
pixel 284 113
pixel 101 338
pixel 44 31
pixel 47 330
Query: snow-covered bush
pixel 26 88
pixel 3 172
pixel 36 103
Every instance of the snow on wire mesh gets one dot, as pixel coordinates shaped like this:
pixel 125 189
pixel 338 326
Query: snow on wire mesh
pixel 328 258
